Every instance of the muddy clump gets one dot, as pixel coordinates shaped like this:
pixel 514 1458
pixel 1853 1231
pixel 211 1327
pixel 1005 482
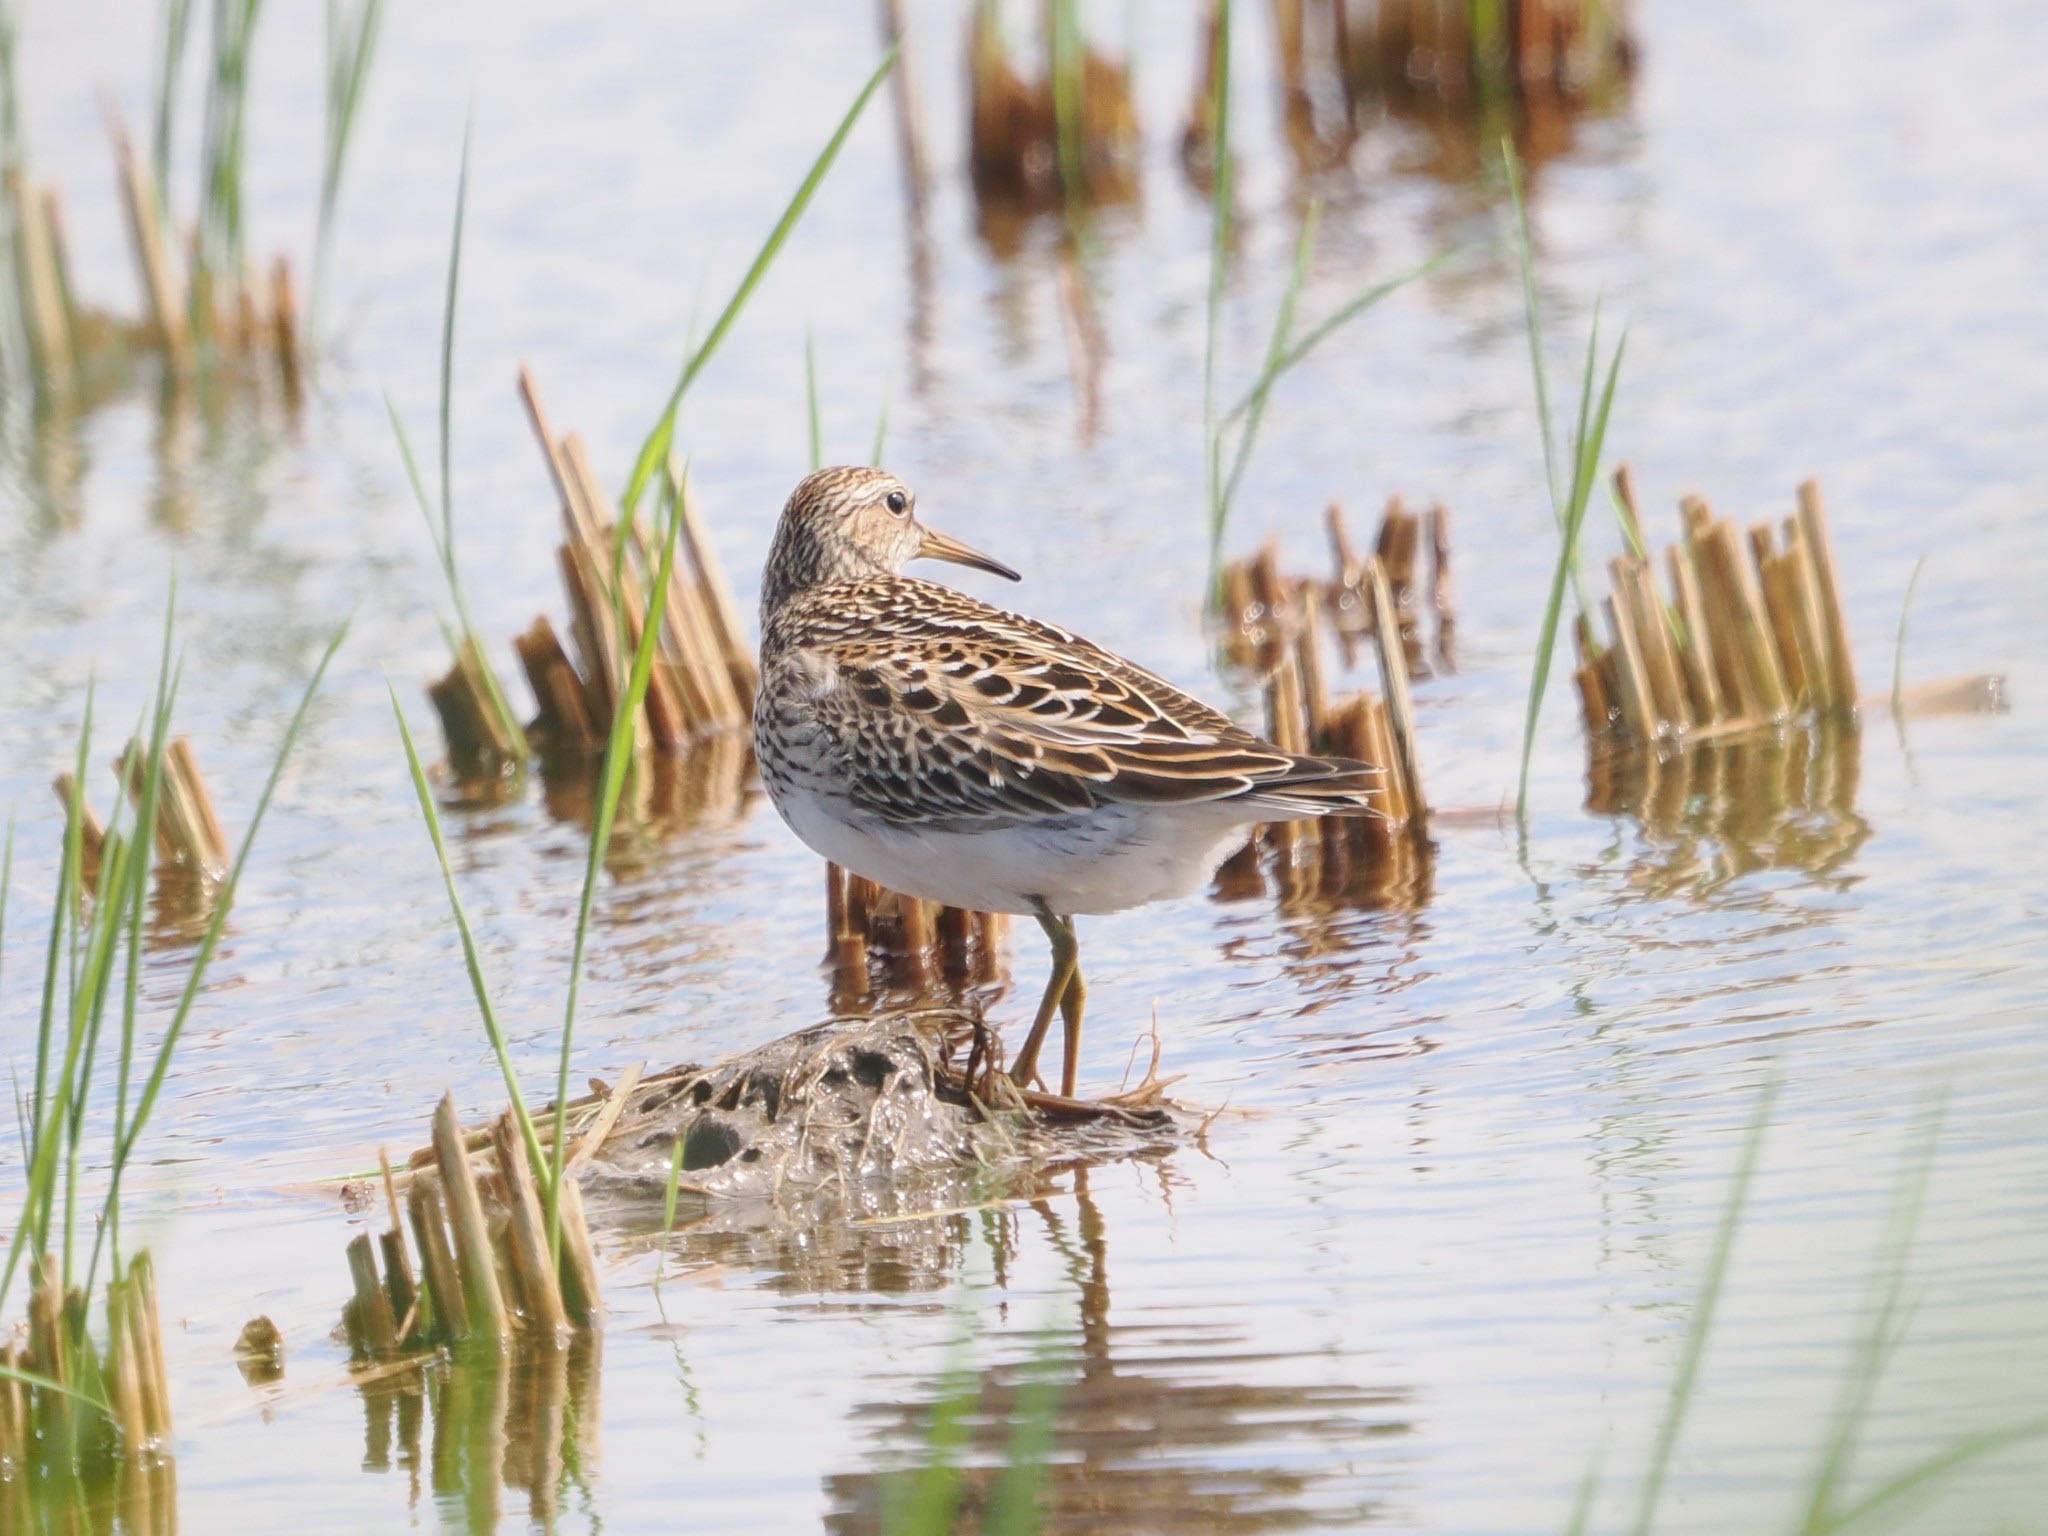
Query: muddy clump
pixel 856 1105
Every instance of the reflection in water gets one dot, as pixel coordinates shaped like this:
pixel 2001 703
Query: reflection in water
pixel 1159 1425
pixel 141 1501
pixel 468 1428
pixel 667 793
pixel 1715 812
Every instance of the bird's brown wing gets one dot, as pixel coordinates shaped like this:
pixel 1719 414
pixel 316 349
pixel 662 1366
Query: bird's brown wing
pixel 948 710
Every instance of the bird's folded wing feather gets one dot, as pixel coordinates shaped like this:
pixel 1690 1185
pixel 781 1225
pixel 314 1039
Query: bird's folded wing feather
pixel 1022 720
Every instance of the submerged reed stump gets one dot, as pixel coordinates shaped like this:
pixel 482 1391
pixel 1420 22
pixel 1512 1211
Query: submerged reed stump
pixel 1749 633
pixel 189 835
pixel 1274 625
pixel 239 323
pixel 106 1414
pixel 479 1264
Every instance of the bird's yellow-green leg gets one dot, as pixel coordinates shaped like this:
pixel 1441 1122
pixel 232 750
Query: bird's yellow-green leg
pixel 1065 970
pixel 1073 998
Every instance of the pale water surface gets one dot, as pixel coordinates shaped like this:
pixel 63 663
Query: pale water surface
pixel 1436 1258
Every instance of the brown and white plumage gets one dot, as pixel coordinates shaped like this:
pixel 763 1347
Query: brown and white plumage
pixel 954 751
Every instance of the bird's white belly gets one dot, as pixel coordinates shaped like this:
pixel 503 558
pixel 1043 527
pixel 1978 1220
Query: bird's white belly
pixel 1105 860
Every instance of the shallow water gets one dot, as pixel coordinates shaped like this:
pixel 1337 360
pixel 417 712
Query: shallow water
pixel 1437 1256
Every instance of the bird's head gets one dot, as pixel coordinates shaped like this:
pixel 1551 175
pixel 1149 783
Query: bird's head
pixel 852 522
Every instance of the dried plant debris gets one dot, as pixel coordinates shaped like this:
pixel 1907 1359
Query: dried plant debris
pixel 843 1104
pixel 1275 625
pixel 1747 634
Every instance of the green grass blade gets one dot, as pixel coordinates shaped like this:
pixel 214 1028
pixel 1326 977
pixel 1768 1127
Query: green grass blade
pixel 1923 1475
pixel 109 1234
pixel 6 879
pixel 881 432
pixel 1582 1501
pixel 177 20
pixel 618 754
pixel 351 45
pixel 1324 329
pixel 471 957
pixel 1701 1324
pixel 1276 348
pixel 1013 1507
pixel 933 1496
pixel 48 1384
pixel 1879 1339
pixel 811 400
pixel 31 1232
pixel 1586 459
pixel 1899 647
pixel 673 1192
pixel 448 357
pixel 1533 315
pixel 1219 255
pixel 654 451
pixel 224 900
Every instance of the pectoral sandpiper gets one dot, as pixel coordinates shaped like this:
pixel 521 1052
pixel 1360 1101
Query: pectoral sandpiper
pixel 949 750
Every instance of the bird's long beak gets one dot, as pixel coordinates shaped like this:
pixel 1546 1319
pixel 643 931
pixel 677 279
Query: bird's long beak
pixel 943 546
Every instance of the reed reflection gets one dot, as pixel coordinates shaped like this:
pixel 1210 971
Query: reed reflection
pixel 142 1500
pixel 1713 813
pixel 1168 1424
pixel 469 1428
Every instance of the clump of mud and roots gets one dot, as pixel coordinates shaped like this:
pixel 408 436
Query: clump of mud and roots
pixel 851 1105
pixel 827 1129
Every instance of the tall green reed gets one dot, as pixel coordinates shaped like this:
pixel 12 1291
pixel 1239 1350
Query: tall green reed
pixel 1899 646
pixel 660 441
pixel 1568 504
pixel 1219 256
pixel 1826 1508
pixel 352 27
pixel 549 1173
pixel 224 139
pixel 441 521
pixel 619 753
pixel 93 924
pixel 174 26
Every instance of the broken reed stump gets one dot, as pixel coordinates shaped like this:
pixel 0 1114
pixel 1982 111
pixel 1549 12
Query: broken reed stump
pixel 1262 608
pixel 109 1410
pixel 236 322
pixel 483 1269
pixel 1014 154
pixel 1277 624
pixel 1747 634
pixel 878 939
pixel 188 829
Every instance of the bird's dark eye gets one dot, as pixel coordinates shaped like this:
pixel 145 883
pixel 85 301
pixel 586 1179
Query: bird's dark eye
pixel 896 502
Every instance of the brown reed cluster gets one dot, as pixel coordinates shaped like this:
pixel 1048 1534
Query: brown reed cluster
pixel 879 939
pixel 193 315
pixel 1345 64
pixel 1276 625
pixel 1014 153
pixel 702 683
pixel 65 1430
pixel 1750 633
pixel 188 829
pixel 483 1269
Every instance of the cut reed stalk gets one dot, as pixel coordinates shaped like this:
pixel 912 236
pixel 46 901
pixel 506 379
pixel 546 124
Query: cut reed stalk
pixel 1820 549
pixel 142 202
pixel 475 1260
pixel 1394 685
